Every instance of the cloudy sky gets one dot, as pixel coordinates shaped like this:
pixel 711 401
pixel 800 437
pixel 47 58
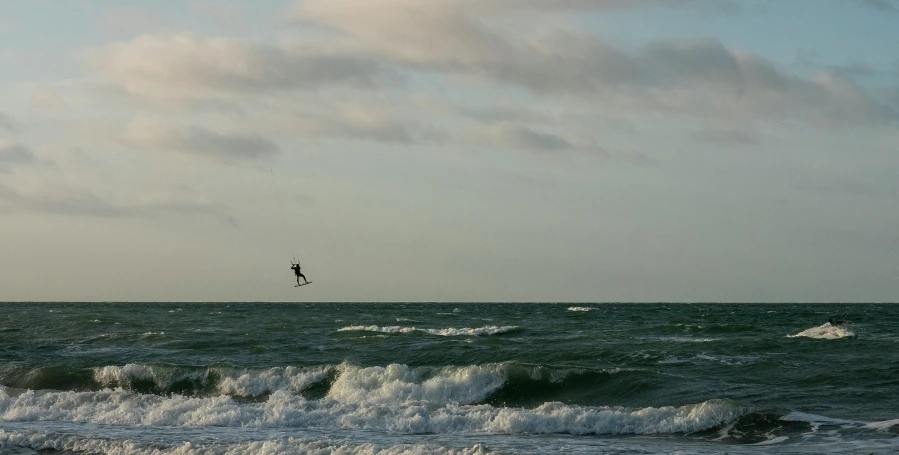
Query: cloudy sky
pixel 450 150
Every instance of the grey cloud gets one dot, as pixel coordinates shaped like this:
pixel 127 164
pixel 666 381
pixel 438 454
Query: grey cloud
pixel 705 62
pixel 728 137
pixel 183 101
pixel 699 78
pixel 8 124
pixel 354 121
pixel 853 70
pixel 520 137
pixel 65 202
pixel 323 126
pixel 303 8
pixel 885 6
pixel 704 79
pixel 199 141
pixel 835 186
pixel 564 63
pixel 587 118
pixel 630 154
pixel 206 142
pixel 14 155
pixel 516 137
pixel 435 135
pixel 507 113
pixel 78 202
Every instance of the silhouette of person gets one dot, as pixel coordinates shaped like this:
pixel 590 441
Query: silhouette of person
pixel 296 270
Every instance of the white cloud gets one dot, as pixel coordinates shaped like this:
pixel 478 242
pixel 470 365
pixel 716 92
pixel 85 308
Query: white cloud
pixel 187 65
pixel 49 101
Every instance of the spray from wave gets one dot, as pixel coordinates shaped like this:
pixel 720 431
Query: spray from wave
pixel 825 331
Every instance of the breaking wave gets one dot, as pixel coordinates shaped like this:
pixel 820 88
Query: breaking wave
pixel 825 331
pixel 210 381
pixel 495 398
pixel 499 384
pixel 391 411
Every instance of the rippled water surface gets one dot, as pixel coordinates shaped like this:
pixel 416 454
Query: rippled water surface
pixel 239 378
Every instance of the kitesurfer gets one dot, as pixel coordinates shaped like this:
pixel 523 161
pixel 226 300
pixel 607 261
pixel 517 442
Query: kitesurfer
pixel 296 270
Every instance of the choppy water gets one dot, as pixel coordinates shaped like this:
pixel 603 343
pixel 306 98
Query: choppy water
pixel 257 378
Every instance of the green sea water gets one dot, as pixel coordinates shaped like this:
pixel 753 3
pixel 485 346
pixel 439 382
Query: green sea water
pixel 234 378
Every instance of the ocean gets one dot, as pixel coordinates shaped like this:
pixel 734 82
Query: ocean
pixel 448 378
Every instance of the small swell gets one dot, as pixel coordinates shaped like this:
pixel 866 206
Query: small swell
pixel 480 331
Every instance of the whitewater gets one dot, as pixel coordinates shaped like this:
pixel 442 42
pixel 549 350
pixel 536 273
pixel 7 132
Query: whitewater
pixel 258 378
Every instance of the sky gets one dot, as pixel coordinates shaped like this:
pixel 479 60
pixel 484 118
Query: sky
pixel 450 150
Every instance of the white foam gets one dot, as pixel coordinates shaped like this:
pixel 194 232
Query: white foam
pixel 796 416
pixel 580 308
pixel 374 328
pixel 68 443
pixel 689 339
pixel 388 404
pixel 561 418
pixel 825 331
pixel 772 440
pixel 884 425
pixel 480 331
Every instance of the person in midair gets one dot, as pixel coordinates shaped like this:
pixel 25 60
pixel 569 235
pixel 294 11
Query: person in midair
pixel 296 270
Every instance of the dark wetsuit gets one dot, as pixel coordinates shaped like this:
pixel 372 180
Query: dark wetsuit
pixel 296 269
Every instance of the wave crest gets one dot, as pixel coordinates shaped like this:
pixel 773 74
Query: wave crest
pixel 400 384
pixel 283 410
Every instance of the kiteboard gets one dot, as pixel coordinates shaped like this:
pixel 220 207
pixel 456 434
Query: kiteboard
pixel 308 282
